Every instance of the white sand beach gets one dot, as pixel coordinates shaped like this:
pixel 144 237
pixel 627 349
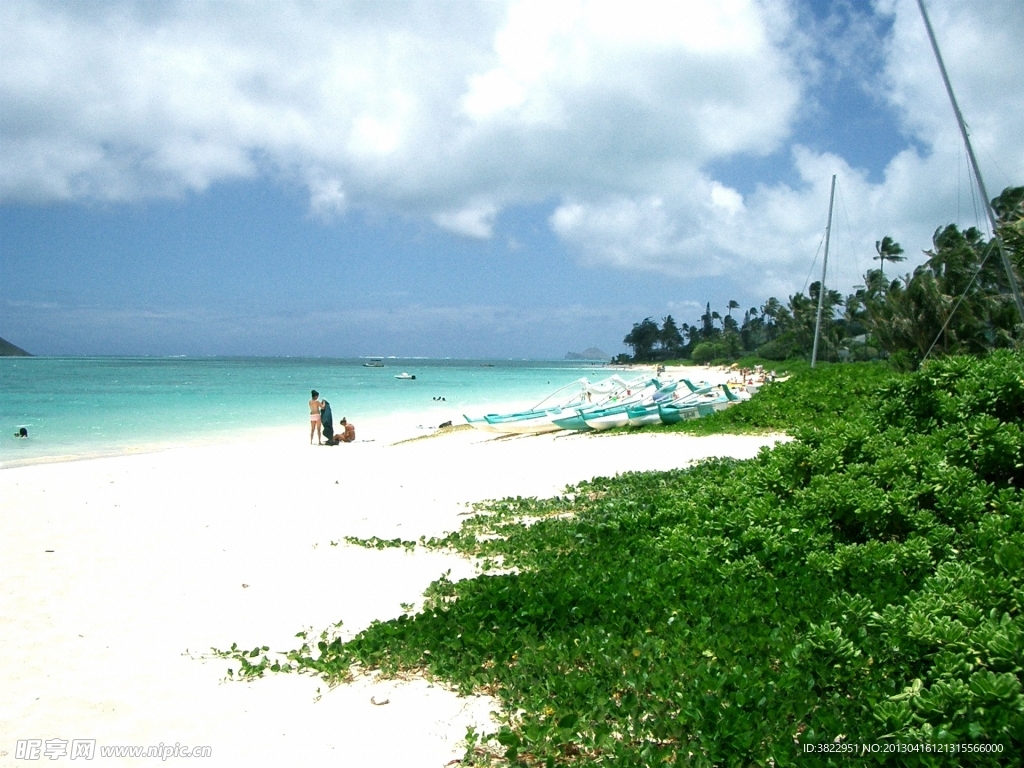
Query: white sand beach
pixel 117 575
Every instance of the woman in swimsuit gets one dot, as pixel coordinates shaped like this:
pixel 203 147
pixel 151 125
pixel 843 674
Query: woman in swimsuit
pixel 315 406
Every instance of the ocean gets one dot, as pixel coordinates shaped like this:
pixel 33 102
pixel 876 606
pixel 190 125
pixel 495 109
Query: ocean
pixel 81 407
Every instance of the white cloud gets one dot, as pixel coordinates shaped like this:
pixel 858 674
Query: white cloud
pixel 767 239
pixel 981 45
pixel 728 199
pixel 476 220
pixel 453 111
pixel 412 106
pixel 326 195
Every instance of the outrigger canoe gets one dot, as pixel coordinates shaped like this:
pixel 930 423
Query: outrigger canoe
pixel 541 419
pixel 615 415
pixel 703 405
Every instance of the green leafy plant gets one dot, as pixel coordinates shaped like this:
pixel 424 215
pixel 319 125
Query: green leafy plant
pixel 861 583
pixel 811 396
pixel 377 543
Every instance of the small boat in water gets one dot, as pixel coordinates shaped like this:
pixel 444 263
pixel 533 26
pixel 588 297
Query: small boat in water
pixel 374 362
pixel 405 376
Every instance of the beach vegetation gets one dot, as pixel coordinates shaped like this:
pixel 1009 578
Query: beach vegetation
pixel 643 338
pixel 860 585
pixel 957 302
pixel 375 542
pixel 809 397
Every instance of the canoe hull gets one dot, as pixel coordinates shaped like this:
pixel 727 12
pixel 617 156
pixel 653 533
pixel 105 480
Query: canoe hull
pixel 574 422
pixel 604 421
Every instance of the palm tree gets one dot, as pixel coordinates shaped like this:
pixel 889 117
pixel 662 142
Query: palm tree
pixel 707 323
pixel 888 250
pixel 670 337
pixel 642 338
pixel 771 310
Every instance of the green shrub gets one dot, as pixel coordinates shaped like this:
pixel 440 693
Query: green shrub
pixel 815 396
pixel 863 583
pixel 707 351
pixel 779 349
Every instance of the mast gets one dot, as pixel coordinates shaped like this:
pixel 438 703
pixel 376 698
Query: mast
pixel 1011 275
pixel 824 266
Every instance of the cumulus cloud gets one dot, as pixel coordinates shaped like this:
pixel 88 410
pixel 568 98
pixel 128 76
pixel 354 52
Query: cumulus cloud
pixel 408 104
pixel 765 239
pixel 475 220
pixel 454 111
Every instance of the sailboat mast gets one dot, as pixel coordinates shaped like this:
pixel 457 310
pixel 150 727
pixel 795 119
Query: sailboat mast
pixel 1011 275
pixel 824 266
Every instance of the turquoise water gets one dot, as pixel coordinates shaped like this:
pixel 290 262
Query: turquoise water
pixel 80 407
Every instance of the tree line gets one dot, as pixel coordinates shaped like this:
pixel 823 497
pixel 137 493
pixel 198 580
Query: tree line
pixel 957 302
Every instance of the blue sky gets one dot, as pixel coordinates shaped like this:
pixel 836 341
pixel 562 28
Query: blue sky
pixel 506 179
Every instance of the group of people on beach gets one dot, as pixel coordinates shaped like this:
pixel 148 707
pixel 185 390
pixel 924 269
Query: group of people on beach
pixel 321 423
pixel 755 375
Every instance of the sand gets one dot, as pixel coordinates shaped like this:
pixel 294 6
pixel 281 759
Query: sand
pixel 117 575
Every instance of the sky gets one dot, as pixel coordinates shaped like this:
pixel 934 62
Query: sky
pixel 497 179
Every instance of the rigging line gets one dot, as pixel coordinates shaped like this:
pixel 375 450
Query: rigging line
pixel 974 203
pixel 958 183
pixel 993 161
pixel 849 234
pixel 811 270
pixel 1008 268
pixel 988 252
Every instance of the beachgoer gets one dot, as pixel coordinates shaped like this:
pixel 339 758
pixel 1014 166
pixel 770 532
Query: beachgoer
pixel 21 433
pixel 347 434
pixel 315 407
pixel 348 431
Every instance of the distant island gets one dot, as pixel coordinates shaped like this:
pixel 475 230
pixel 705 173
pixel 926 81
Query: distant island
pixel 9 350
pixel 588 354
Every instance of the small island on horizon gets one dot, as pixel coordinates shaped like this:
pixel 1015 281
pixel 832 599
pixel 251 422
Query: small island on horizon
pixel 593 353
pixel 10 350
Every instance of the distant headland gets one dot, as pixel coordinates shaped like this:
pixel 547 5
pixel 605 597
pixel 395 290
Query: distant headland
pixel 9 350
pixel 588 354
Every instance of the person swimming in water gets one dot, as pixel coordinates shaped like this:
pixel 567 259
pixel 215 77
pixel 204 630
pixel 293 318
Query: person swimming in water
pixel 21 433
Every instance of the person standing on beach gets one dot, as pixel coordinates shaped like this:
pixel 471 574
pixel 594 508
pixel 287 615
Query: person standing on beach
pixel 315 407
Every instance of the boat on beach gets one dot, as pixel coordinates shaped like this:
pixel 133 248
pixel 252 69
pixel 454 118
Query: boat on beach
pixel 633 403
pixel 542 417
pixel 644 414
pixel 703 404
pixel 617 415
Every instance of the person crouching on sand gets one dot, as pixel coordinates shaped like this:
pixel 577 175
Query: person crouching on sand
pixel 347 434
pixel 315 407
